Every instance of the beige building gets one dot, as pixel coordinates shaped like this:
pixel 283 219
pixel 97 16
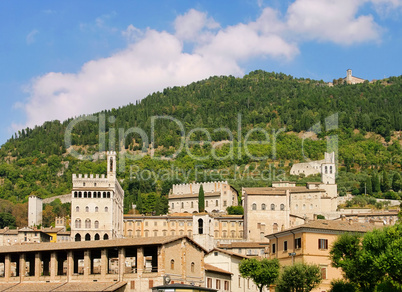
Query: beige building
pixel 218 196
pixel 122 265
pixel 24 235
pixel 97 205
pixel 35 206
pixel 311 243
pixel 246 248
pixel 215 228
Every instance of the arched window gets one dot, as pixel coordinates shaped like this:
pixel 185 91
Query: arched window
pixel 86 209
pixel 282 207
pixel 77 237
pixel 96 209
pixel 75 195
pixel 79 195
pixel 97 237
pixel 77 223
pixel 330 169
pixel 106 209
pixel 104 194
pixel 89 195
pixel 88 223
pixel 111 164
pixel 192 267
pixel 99 195
pixel 96 224
pixel 182 205
pixel 263 207
pixel 272 207
pixel 254 206
pixel 87 237
pixel 105 237
pixel 85 195
pixel 326 169
pixel 275 227
pixel 77 209
pixel 108 194
pixel 172 264
pixel 200 226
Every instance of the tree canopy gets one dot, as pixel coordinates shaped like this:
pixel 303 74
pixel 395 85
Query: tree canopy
pixel 299 277
pixel 263 272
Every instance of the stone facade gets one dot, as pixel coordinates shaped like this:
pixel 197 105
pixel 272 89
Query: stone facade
pixel 311 243
pixel 215 229
pixel 35 207
pixel 349 79
pixel 97 205
pixel 218 196
pixel 123 265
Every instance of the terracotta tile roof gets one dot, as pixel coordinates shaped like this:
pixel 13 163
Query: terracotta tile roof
pixel 334 225
pixel 52 230
pixel 243 244
pixel 160 240
pixel 230 253
pixel 182 287
pixel 212 268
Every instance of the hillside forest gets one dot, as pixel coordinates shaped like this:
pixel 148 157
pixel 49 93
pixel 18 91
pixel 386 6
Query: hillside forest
pixel 248 131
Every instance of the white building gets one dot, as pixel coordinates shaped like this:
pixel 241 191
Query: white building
pixel 35 207
pixel 97 205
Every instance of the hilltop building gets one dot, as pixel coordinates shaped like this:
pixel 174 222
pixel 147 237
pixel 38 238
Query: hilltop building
pixel 218 196
pixel 97 205
pixel 349 79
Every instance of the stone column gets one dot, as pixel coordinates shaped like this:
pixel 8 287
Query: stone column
pixel 140 261
pixel 7 267
pixel 22 266
pixel 122 262
pixel 87 263
pixel 104 263
pixel 161 260
pixel 70 265
pixel 53 265
pixel 37 266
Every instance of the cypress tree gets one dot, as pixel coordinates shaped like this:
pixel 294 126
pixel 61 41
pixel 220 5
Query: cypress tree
pixel 201 200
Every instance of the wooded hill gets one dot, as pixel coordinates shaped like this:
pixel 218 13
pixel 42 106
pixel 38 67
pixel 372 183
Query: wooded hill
pixel 369 120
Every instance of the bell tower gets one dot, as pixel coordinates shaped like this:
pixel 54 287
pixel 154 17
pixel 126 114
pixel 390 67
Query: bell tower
pixel 111 164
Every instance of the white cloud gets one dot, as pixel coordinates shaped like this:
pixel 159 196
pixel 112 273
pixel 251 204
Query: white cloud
pixel 30 39
pixel 330 20
pixel 190 25
pixel 154 60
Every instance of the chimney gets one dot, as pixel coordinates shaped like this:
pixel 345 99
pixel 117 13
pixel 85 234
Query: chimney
pixel 350 221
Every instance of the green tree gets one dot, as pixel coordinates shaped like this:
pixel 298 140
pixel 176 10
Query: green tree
pixel 235 210
pixel 299 277
pixel 262 272
pixel 385 182
pixel 7 220
pixel 342 286
pixel 347 253
pixel 201 200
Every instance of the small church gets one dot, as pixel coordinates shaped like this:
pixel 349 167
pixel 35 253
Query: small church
pixel 349 79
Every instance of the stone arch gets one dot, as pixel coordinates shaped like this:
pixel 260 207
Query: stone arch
pixel 87 237
pixel 106 236
pixel 77 237
pixel 97 237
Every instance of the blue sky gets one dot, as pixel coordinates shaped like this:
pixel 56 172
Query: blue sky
pixel 61 59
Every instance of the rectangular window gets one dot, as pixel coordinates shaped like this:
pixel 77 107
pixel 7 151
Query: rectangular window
pixel 218 284
pixel 273 248
pixel 323 243
pixel 206 203
pixel 224 203
pixel 209 283
pixel 285 245
pixel 226 286
pixel 298 243
pixel 323 273
pixel 239 282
